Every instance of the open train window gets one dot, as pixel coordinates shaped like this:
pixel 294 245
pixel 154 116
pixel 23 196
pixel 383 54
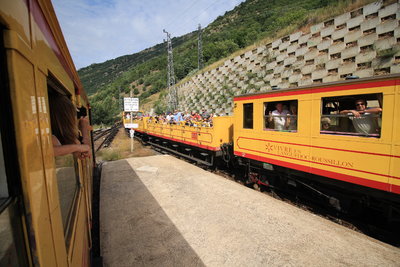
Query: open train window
pixel 248 116
pixel 356 115
pixel 281 116
pixel 67 167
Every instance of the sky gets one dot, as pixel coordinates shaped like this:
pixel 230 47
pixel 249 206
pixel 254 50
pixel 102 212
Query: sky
pixel 99 30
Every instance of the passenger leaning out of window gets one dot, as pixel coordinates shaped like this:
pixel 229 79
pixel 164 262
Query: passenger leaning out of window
pixel 66 127
pixel 363 118
pixel 279 116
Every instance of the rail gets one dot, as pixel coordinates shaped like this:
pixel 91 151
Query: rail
pixel 110 134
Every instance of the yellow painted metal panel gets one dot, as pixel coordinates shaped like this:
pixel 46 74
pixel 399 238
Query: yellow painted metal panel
pixel 395 161
pixel 207 137
pixel 46 60
pixel 49 167
pixel 79 244
pixel 15 16
pixel 25 109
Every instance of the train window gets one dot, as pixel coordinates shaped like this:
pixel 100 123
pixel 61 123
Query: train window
pixel 356 115
pixel 67 167
pixel 248 116
pixel 281 116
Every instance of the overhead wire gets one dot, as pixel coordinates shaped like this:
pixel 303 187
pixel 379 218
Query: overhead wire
pixel 183 12
pixel 182 23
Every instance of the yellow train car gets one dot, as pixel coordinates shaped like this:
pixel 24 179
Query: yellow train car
pixel 344 134
pixel 141 124
pixel 129 117
pixel 45 202
pixel 202 144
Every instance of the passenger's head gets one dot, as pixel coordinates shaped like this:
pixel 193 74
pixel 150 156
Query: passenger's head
pixel 361 104
pixel 279 107
pixel 293 109
pixel 64 122
pixel 325 123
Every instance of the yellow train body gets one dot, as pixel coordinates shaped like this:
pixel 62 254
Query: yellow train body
pixel 35 52
pixel 372 161
pixel 209 138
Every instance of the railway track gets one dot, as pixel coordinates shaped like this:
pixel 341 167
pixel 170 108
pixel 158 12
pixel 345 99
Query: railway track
pixel 107 135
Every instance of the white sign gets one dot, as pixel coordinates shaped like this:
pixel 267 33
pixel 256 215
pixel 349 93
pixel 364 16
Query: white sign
pixel 131 125
pixel 131 104
pixel 132 133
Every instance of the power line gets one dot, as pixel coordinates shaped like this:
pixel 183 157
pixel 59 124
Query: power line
pixel 184 22
pixel 176 17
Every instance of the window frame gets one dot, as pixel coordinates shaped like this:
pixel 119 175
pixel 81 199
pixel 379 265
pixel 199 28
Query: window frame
pixel 246 120
pixel 337 121
pixel 55 87
pixel 286 102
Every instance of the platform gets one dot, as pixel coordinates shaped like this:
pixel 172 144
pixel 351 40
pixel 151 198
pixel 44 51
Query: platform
pixel 161 211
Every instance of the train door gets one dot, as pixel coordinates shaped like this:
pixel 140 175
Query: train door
pixel 13 249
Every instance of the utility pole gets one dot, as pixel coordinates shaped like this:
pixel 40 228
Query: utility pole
pixel 172 92
pixel 200 49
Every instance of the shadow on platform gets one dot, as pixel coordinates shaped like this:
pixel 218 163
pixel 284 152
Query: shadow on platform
pixel 134 229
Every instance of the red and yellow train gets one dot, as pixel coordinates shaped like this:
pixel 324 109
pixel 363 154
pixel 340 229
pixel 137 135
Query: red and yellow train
pixel 316 144
pixel 45 202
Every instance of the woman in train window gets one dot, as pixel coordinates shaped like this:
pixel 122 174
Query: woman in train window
pixel 64 124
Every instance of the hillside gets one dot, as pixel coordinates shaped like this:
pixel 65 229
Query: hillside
pixel 145 72
pixel 96 76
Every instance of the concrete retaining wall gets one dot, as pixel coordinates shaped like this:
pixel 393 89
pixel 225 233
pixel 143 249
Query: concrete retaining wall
pixel 364 42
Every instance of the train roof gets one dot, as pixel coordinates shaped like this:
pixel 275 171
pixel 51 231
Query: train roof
pixel 317 86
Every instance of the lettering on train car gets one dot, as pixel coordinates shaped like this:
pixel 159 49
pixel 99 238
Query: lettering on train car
pixel 195 136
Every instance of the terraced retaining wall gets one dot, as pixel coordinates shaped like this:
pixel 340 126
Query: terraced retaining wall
pixel 364 42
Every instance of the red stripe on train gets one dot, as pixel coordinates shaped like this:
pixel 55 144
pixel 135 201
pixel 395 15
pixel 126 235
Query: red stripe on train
pixel 311 146
pixel 334 175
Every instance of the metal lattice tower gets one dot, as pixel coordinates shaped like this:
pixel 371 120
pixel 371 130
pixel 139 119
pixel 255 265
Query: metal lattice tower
pixel 172 92
pixel 200 50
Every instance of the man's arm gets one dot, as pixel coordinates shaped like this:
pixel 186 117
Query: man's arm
pixel 354 112
pixel 373 110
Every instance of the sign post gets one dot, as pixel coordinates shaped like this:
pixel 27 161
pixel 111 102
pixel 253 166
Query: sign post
pixel 131 134
pixel 131 104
